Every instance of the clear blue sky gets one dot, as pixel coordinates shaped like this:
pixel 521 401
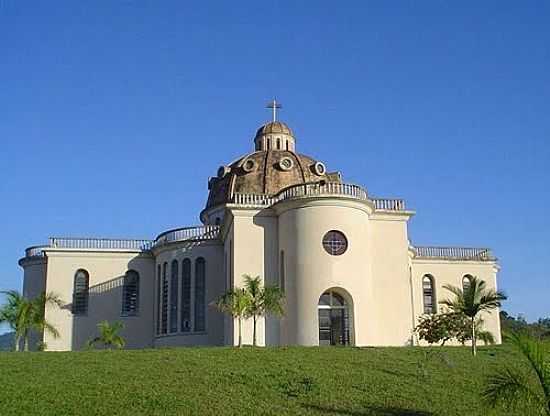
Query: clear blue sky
pixel 113 114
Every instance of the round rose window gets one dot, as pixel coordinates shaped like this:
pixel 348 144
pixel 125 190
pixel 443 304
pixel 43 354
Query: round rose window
pixel 335 243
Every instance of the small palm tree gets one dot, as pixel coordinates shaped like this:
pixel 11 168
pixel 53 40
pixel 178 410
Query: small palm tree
pixel 109 335
pixel 235 303
pixel 470 302
pixel 39 322
pixel 263 300
pixel 16 312
pixel 513 387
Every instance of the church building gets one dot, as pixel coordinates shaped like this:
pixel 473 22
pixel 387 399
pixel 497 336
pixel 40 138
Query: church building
pixel 349 270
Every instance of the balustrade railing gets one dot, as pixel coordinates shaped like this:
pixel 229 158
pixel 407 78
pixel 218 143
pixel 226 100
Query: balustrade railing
pixel 454 253
pixel 35 251
pixel 253 199
pixel 389 204
pixel 327 188
pixel 100 243
pixel 206 232
pixel 317 189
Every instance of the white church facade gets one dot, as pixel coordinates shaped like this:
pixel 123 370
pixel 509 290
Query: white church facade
pixel 344 259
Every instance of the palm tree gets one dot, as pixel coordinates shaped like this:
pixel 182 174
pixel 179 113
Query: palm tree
pixel 470 302
pixel 23 315
pixel 109 335
pixel 235 303
pixel 39 322
pixel 514 387
pixel 16 312
pixel 263 300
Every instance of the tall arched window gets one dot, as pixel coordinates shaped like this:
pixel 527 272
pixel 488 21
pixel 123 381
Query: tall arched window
pixel 278 143
pixel 268 144
pixel 186 295
pixel 81 292
pixel 430 305
pixel 130 294
pixel 174 291
pixel 334 319
pixel 159 300
pixel 164 309
pixel 200 294
pixel 466 283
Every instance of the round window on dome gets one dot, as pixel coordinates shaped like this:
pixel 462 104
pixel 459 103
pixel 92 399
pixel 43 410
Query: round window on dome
pixel 335 243
pixel 319 168
pixel 249 165
pixel 286 163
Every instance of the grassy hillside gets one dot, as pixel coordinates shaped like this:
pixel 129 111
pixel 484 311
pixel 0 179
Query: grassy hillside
pixel 226 381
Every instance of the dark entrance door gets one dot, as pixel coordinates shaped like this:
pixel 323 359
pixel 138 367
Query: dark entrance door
pixel 333 320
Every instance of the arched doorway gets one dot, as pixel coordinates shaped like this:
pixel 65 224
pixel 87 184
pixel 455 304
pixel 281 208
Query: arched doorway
pixel 334 319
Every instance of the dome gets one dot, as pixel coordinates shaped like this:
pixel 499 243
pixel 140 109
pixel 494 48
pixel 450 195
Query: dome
pixel 274 127
pixel 273 167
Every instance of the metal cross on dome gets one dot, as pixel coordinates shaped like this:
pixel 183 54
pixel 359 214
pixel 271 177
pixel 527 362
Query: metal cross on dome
pixel 274 105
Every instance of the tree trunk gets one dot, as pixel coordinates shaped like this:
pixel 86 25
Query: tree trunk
pixel 26 342
pixel 474 346
pixel 240 333
pixel 17 343
pixel 254 332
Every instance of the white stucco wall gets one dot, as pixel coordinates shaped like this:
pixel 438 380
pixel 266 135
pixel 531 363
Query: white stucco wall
pixel 255 248
pixel 106 271
pixel 447 272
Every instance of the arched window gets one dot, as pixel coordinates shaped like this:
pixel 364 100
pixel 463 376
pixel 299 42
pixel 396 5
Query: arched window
pixel 466 283
pixel 268 144
pixel 130 294
pixel 428 292
pixel 200 294
pixel 278 143
pixel 334 319
pixel 164 309
pixel 286 144
pixel 186 295
pixel 159 286
pixel 174 291
pixel 81 292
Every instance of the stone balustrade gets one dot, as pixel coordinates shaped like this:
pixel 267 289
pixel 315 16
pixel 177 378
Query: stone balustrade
pixel 199 233
pixel 35 251
pixel 454 253
pixel 317 189
pixel 99 243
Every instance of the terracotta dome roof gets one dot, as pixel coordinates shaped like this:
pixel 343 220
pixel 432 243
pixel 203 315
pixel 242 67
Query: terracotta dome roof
pixel 265 172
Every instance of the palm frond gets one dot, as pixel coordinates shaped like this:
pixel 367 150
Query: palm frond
pixel 510 389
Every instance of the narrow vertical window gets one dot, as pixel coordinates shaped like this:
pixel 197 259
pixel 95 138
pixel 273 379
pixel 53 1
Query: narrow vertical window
pixel 186 295
pixel 159 286
pixel 466 283
pixel 81 292
pixel 278 143
pixel 429 294
pixel 286 144
pixel 174 291
pixel 282 282
pixel 164 310
pixel 130 294
pixel 200 294
pixel 268 144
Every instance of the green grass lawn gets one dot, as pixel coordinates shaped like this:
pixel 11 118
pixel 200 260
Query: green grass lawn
pixel 263 381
